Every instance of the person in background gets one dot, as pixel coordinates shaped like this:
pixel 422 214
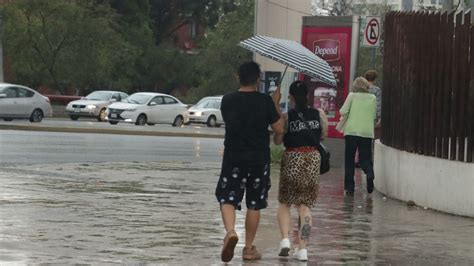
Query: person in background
pixel 371 77
pixel 246 164
pixel 360 111
pixel 300 167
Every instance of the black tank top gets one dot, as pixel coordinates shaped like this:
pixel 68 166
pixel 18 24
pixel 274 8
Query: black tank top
pixel 297 134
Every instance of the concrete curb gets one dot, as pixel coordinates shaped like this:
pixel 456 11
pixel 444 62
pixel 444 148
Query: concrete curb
pixel 108 131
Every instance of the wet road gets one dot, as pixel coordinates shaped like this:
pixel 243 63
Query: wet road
pixel 25 147
pixel 159 208
pixel 134 213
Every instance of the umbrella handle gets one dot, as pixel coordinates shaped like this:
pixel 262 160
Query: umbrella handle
pixel 282 76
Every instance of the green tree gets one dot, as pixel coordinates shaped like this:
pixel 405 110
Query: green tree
pixel 63 44
pixel 169 15
pixel 125 44
pixel 220 55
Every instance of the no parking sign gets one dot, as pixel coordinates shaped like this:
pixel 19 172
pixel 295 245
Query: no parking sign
pixel 372 32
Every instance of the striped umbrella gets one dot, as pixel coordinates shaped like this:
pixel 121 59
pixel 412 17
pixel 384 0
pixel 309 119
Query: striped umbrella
pixel 291 54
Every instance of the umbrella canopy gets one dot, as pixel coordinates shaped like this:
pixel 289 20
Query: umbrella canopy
pixel 292 54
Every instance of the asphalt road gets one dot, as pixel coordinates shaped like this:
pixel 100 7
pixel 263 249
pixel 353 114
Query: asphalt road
pixel 30 147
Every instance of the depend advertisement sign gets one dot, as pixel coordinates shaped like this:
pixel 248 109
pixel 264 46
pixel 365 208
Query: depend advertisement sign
pixel 332 44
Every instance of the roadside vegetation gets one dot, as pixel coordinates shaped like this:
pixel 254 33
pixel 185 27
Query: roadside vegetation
pixel 276 153
pixel 127 45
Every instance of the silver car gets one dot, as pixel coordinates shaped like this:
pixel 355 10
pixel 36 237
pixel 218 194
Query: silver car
pixel 94 104
pixel 207 111
pixel 148 108
pixel 20 102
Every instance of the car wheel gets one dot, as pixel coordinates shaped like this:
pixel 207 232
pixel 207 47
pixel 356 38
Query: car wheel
pixel 102 115
pixel 113 122
pixel 211 121
pixel 178 121
pixel 36 116
pixel 74 117
pixel 141 120
pixel 7 119
pixel 150 124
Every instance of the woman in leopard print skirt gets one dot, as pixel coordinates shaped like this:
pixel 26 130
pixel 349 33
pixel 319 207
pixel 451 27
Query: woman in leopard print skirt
pixel 299 175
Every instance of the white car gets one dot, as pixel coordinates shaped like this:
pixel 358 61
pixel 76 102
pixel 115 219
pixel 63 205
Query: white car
pixel 148 108
pixel 94 104
pixel 20 102
pixel 207 111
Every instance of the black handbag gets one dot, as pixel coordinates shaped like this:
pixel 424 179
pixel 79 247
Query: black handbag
pixel 323 150
pixel 325 157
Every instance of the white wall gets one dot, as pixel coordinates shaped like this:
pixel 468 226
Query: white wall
pixel 280 19
pixel 438 184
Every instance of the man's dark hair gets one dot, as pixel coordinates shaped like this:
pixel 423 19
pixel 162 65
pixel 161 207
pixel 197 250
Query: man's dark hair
pixel 249 73
pixel 371 75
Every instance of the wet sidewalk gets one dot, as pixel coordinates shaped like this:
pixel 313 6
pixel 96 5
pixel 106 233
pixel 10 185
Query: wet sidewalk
pixel 165 213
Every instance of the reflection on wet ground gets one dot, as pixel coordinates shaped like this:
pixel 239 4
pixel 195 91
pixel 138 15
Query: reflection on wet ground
pixel 165 213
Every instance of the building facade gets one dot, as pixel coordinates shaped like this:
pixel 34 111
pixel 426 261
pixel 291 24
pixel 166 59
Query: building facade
pixel 280 19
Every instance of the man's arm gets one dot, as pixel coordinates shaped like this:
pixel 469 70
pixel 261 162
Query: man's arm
pixel 378 96
pixel 224 108
pixel 379 108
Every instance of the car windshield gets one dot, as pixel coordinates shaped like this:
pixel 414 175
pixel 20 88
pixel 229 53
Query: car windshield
pixel 206 103
pixel 99 96
pixel 138 98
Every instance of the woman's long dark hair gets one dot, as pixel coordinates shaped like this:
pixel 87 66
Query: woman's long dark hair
pixel 299 91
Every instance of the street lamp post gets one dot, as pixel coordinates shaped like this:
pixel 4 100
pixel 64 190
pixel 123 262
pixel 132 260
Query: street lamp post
pixel 1 47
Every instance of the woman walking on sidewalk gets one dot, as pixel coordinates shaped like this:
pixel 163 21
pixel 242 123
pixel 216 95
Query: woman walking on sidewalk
pixel 300 167
pixel 359 114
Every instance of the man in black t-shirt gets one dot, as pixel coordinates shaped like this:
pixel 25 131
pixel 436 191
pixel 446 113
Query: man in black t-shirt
pixel 246 163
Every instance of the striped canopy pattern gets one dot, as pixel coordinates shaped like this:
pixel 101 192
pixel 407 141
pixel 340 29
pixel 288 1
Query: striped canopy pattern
pixel 292 54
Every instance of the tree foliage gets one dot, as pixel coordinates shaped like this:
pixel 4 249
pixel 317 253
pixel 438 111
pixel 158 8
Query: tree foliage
pixel 220 55
pixel 62 43
pixel 124 44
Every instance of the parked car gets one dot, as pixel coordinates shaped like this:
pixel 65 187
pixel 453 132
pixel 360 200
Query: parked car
pixel 207 111
pixel 94 104
pixel 20 102
pixel 148 108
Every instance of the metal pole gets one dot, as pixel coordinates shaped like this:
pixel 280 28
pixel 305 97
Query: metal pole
pixel 255 16
pixel 374 55
pixel 1 48
pixel 354 48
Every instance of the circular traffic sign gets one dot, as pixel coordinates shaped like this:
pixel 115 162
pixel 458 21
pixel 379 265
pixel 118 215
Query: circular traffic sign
pixel 372 31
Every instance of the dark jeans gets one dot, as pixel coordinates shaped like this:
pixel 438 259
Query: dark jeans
pixel 364 145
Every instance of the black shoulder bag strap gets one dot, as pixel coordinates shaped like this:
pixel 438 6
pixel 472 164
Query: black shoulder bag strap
pixel 323 150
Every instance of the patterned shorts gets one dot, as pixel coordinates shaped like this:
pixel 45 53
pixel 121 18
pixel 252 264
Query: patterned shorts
pixel 236 179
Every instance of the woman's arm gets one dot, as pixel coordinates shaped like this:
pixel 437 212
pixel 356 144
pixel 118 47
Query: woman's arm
pixel 324 124
pixel 347 105
pixel 278 134
pixel 278 137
